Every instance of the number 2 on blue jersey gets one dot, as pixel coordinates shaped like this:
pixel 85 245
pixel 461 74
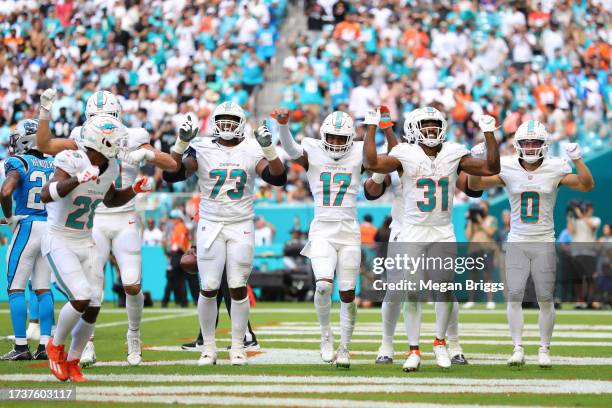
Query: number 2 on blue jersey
pixel 38 179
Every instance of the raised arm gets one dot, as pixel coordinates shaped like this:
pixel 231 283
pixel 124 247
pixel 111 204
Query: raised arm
pixel 294 150
pixel 61 184
pixel 375 186
pixel 117 198
pixel 371 159
pixel 271 168
pixel 583 179
pixel 187 132
pixel 490 166
pixel 148 153
pixel 44 142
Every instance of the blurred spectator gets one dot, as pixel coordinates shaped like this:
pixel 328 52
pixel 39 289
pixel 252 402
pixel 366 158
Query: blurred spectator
pixel 178 244
pixel 368 230
pixel 152 235
pixel 264 232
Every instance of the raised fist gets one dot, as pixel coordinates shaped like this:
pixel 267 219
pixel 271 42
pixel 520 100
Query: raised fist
pixel 281 115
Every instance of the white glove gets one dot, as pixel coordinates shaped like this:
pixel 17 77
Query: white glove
pixel 137 156
pixel 46 101
pixel 14 220
pixel 187 132
pixel 88 174
pixel 573 150
pixel 372 117
pixel 264 138
pixel 479 151
pixel 487 123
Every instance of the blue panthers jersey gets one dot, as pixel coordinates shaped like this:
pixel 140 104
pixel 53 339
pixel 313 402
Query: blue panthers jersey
pixel 34 173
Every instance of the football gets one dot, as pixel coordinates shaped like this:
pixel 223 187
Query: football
pixel 189 262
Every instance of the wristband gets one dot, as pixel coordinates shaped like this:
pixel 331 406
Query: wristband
pixel 378 178
pixel 179 146
pixel 44 114
pixel 269 152
pixel 53 191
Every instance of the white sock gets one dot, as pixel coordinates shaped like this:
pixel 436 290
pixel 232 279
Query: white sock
pixel 322 303
pixel 444 310
pixel 207 313
pixel 453 325
pixel 348 312
pixel 67 319
pixel 546 322
pixel 240 319
pixel 43 340
pixel 80 336
pixel 390 314
pixel 514 312
pixel 412 321
pixel 134 305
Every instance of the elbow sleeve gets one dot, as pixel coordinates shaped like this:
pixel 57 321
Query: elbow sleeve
pixel 180 175
pixel 279 180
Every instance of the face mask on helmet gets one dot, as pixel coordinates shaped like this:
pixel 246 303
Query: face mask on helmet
pixel 336 145
pixel 104 134
pixel 228 127
pixel 103 103
pixel 531 150
pixel 430 132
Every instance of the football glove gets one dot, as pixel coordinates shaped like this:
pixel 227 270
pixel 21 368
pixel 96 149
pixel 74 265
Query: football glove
pixel 573 150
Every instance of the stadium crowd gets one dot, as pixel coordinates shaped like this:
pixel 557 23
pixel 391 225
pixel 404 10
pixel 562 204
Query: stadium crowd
pixel 515 60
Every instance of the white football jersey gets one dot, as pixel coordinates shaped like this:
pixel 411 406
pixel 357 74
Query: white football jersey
pixel 428 184
pixel 532 197
pixel 334 183
pixel 128 173
pixel 72 217
pixel 397 206
pixel 226 177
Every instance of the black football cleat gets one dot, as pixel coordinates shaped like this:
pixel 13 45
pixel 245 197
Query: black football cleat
pixel 459 359
pixel 17 355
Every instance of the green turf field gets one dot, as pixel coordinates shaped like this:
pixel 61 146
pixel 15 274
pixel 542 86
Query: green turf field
pixel 287 371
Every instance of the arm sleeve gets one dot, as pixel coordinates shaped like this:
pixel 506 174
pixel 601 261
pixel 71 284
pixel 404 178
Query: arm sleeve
pixel 273 180
pixel 181 174
pixel 293 149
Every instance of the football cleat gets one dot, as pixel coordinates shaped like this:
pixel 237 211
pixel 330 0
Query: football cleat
pixel 88 357
pixel 134 356
pixel 40 353
pixel 468 305
pixel 517 358
pixel 413 362
pixel 544 357
pixel 439 349
pixel 208 357
pixel 343 359
pixel 194 345
pixel 238 357
pixel 327 347
pixel 17 355
pixel 385 355
pixel 33 331
pixel 74 371
pixel 251 345
pixel 57 361
pixel 456 353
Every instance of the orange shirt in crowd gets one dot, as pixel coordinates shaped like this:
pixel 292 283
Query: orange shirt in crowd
pixel 179 240
pixel 545 94
pixel 347 30
pixel 368 231
pixel 416 42
pixel 192 208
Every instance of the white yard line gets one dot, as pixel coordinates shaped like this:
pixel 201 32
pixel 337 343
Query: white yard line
pixel 147 319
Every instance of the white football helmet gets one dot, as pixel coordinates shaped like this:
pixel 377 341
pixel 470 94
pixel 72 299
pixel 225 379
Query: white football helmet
pixel 409 135
pixel 23 138
pixel 104 134
pixel 233 125
pixel 423 133
pixel 531 131
pixel 103 103
pixel 337 124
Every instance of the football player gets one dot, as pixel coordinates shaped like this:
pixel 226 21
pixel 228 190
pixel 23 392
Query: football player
pixel 26 170
pixel 532 180
pixel 82 180
pixel 429 171
pixel 333 166
pixel 226 165
pixel 374 188
pixel 115 229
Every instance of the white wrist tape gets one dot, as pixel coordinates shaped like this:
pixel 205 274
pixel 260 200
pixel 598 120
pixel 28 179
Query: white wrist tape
pixel 180 146
pixel 53 191
pixel 270 152
pixel 378 178
pixel 44 114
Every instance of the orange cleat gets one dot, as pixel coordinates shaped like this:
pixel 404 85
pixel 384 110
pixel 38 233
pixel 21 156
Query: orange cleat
pixel 74 371
pixel 57 360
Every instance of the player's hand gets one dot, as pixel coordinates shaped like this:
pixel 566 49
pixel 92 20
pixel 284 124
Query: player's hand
pixel 573 150
pixel 479 151
pixel 487 123
pixel 46 101
pixel 263 135
pixel 281 115
pixel 139 155
pixel 385 118
pixel 372 117
pixel 188 130
pixel 143 185
pixel 88 174
pixel 14 220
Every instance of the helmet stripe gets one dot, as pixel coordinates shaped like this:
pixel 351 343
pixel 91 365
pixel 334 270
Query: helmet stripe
pixel 100 102
pixel 530 126
pixel 338 120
